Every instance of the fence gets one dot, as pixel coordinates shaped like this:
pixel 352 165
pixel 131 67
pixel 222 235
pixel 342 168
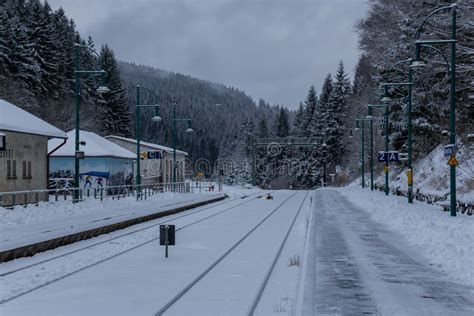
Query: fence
pixel 461 206
pixel 25 198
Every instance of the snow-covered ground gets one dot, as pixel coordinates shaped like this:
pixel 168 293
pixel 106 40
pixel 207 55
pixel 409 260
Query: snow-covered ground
pixel 129 275
pixel 351 251
pixel 24 226
pixel 447 242
pixel 364 258
pixel 431 174
pixel 46 211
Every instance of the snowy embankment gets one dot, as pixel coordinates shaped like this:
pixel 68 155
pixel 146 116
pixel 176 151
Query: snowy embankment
pixel 431 174
pixel 447 242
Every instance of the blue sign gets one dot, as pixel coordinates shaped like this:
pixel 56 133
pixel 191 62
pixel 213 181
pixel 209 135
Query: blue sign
pixel 392 156
pixel 154 155
pixel 449 150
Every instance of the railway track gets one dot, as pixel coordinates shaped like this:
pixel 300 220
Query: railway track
pixel 261 288
pixel 38 264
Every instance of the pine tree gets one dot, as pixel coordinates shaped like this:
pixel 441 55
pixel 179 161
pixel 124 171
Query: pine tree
pixel 298 121
pixel 116 115
pixel 310 108
pixel 263 129
pixel 336 114
pixel 282 126
pixel 42 35
pixel 5 51
pixel 322 119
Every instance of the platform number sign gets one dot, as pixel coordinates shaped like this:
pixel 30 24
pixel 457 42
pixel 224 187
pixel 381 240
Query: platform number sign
pixel 449 150
pixel 391 156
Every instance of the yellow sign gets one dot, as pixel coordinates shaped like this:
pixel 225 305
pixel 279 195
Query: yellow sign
pixel 410 176
pixel 453 162
pixel 144 155
pixel 386 169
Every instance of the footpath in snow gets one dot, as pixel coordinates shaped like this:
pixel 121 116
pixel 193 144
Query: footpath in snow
pixel 372 254
pixel 447 242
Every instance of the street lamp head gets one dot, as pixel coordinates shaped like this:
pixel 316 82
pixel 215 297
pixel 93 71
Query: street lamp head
pixel 103 89
pixel 324 145
pixel 386 99
pixel 156 118
pixel 189 130
pixel 417 64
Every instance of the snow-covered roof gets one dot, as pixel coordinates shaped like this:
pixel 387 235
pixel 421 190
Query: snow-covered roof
pixel 14 119
pixel 96 146
pixel 155 146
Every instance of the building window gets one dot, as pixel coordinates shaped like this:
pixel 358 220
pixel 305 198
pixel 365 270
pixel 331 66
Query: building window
pixel 11 169
pixel 26 169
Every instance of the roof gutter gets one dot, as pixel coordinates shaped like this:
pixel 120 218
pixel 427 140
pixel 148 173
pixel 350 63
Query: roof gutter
pixel 47 160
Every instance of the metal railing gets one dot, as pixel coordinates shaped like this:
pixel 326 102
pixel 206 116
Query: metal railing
pixel 141 192
pixel 433 199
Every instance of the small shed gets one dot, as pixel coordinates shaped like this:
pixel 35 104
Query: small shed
pixel 104 163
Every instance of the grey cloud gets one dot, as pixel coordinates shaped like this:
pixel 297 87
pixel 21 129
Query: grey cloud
pixel 271 49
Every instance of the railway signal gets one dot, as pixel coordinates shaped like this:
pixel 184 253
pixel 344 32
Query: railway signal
pixel 167 237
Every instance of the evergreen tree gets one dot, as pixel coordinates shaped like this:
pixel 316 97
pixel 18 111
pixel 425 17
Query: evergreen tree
pixel 282 126
pixel 263 129
pixel 310 108
pixel 116 114
pixel 43 38
pixel 336 114
pixel 322 119
pixel 296 129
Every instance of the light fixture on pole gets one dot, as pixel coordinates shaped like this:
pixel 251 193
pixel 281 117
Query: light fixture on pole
pixel 78 89
pixel 451 66
pixel 155 118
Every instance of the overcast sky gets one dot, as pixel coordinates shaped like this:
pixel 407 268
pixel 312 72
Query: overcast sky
pixel 271 49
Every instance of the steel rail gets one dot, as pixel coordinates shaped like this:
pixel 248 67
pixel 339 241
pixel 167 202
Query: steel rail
pixel 265 280
pixel 121 252
pixel 178 296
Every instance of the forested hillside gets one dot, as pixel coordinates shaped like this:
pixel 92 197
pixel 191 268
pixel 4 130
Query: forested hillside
pixel 38 48
pixel 217 112
pixel 386 36
pixel 37 61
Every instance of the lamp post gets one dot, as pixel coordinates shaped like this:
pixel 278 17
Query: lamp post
pixel 101 89
pixel 156 118
pixel 188 130
pixel 362 137
pixel 386 167
pixel 419 63
pixel 369 116
pixel 324 151
pixel 386 99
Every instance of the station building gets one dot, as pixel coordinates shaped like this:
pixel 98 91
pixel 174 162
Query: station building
pixel 24 153
pixel 156 160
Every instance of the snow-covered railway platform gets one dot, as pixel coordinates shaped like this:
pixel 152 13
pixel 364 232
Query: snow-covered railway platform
pixel 25 232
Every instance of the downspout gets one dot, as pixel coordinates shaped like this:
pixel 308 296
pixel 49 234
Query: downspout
pixel 47 160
